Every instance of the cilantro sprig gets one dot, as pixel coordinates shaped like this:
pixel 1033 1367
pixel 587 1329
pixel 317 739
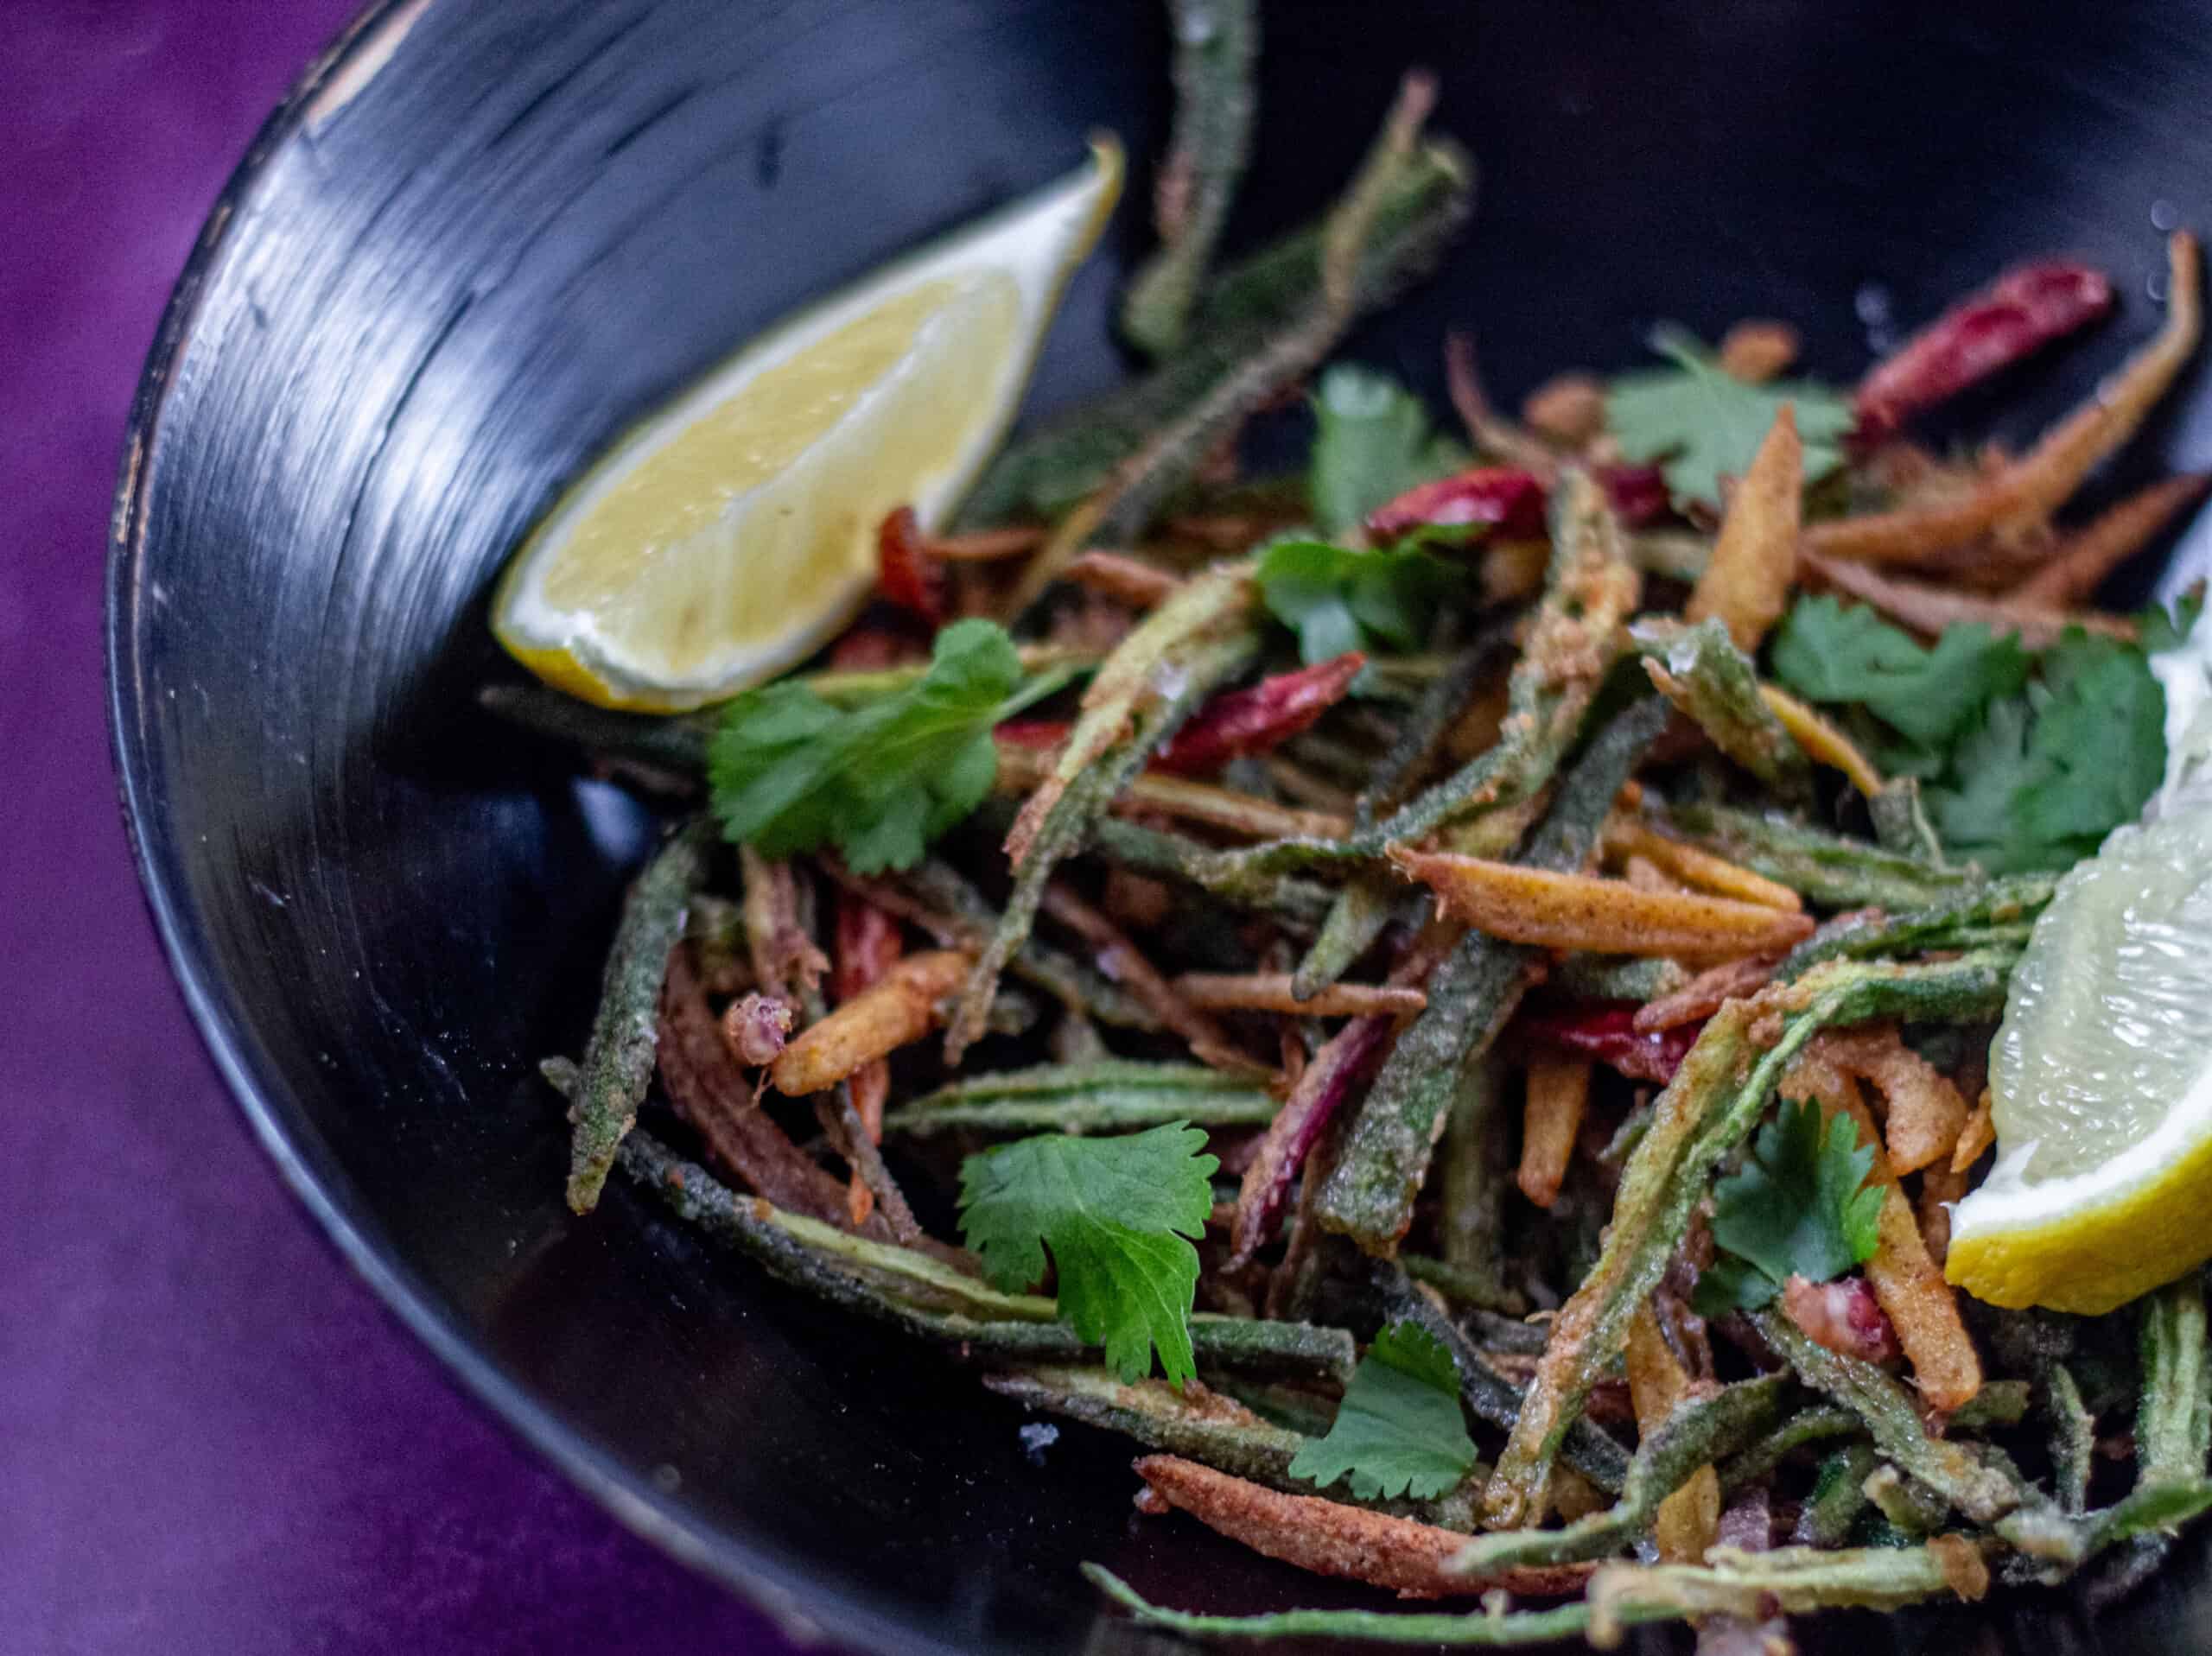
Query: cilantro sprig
pixel 1799 1206
pixel 1372 442
pixel 790 773
pixel 2030 760
pixel 1114 1212
pixel 1337 599
pixel 1399 1430
pixel 1700 422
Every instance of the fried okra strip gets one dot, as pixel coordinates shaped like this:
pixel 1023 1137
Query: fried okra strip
pixel 618 1060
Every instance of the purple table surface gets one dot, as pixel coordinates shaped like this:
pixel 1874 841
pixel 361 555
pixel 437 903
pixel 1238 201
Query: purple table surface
pixel 214 1438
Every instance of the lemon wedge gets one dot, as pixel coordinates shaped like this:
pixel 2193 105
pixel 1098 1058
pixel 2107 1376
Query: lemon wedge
pixel 732 532
pixel 2100 1077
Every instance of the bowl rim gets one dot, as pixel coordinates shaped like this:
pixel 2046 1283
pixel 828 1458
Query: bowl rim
pixel 804 1610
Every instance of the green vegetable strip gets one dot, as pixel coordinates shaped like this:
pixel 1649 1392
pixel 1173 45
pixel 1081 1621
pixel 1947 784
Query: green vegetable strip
pixel 1441 703
pixel 1477 1630
pixel 2000 1403
pixel 1591 590
pixel 1812 1425
pixel 1617 977
pixel 1830 870
pixel 1839 1496
pixel 1159 1418
pixel 1369 1194
pixel 618 1060
pixel 1043 476
pixel 1787 1581
pixel 2073 1439
pixel 1109 1096
pixel 1161 674
pixel 2173 1433
pixel 1704 1112
pixel 1302 904
pixel 1488 1394
pixel 1698 1433
pixel 1362 911
pixel 2173 1420
pixel 1475 1174
pixel 1700 669
pixel 1977 1488
pixel 883 1282
pixel 1215 43
pixel 1900 822
pixel 676 744
pixel 1909 1507
pixel 1966 918
pixel 1125 505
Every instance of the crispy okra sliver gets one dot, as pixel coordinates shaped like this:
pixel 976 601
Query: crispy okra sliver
pixel 1369 1194
pixel 618 1061
pixel 885 1282
pixel 1579 628
pixel 1704 1112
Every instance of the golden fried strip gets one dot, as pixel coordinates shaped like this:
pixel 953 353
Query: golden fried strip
pixel 1976 1136
pixel 1330 1539
pixel 1117 575
pixel 2026 491
pixel 1022 769
pixel 1822 742
pixel 1558 1096
pixel 1688 1521
pixel 1923 1113
pixel 1904 1276
pixel 1706 993
pixel 1746 582
pixel 1625 836
pixel 1928 609
pixel 2094 551
pixel 901 1006
pixel 1609 917
pixel 1269 992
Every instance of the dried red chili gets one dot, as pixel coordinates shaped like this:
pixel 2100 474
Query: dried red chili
pixel 1511 501
pixel 905 573
pixel 2022 311
pixel 1231 725
pixel 1504 497
pixel 1608 1035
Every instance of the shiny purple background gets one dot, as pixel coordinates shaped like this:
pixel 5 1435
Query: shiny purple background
pixel 211 1436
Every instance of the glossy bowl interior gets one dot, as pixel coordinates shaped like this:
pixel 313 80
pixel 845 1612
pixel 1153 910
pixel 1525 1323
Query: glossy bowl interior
pixel 482 239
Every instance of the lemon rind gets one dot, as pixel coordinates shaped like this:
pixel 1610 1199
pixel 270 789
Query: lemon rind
pixel 2093 1241
pixel 566 648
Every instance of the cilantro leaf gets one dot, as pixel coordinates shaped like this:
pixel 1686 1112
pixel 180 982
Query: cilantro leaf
pixel 1828 652
pixel 1114 1212
pixel 791 773
pixel 2100 734
pixel 2044 776
pixel 2158 629
pixel 1799 1206
pixel 1987 771
pixel 1701 423
pixel 1373 443
pixel 1337 599
pixel 1399 1430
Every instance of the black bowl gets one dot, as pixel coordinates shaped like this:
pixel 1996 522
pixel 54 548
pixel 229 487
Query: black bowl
pixel 480 240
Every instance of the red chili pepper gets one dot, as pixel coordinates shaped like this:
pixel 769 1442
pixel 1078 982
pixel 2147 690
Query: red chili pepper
pixel 905 574
pixel 2026 309
pixel 1230 725
pixel 1511 501
pixel 1638 493
pixel 1256 719
pixel 1500 497
pixel 869 944
pixel 1609 1035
